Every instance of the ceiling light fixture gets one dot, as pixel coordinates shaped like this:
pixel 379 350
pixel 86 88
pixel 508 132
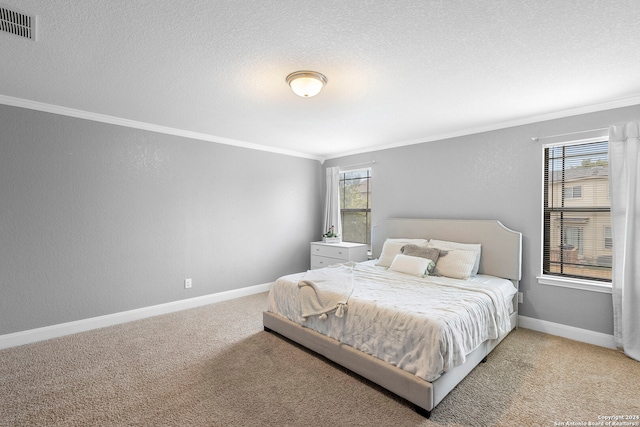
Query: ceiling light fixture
pixel 306 83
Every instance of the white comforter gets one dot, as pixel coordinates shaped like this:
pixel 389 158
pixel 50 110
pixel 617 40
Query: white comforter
pixel 425 326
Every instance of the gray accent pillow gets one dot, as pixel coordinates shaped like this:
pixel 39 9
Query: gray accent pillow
pixel 420 251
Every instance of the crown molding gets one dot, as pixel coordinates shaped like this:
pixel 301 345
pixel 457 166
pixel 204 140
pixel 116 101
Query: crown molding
pixel 119 121
pixel 65 111
pixel 620 103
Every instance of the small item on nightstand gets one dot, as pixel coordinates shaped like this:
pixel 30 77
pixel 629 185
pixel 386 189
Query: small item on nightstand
pixel 331 237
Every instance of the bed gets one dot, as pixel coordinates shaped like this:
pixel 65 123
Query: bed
pixel 426 373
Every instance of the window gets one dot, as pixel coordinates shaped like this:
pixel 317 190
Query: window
pixel 355 206
pixel 574 238
pixel 577 212
pixel 573 192
pixel 608 238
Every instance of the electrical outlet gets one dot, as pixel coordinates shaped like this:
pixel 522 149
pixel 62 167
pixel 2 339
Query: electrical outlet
pixel 187 283
pixel 520 297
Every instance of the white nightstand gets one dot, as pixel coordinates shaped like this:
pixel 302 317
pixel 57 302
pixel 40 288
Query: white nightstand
pixel 326 254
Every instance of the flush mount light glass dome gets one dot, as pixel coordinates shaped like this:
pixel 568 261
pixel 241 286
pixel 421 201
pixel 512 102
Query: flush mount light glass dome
pixel 306 83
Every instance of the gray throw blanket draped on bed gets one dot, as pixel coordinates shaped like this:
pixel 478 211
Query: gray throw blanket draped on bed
pixel 325 290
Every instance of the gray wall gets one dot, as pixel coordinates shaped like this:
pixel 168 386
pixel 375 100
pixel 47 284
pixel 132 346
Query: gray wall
pixel 98 219
pixel 492 175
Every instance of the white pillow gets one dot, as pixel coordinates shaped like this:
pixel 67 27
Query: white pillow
pixel 457 264
pixel 416 266
pixel 392 247
pixel 475 247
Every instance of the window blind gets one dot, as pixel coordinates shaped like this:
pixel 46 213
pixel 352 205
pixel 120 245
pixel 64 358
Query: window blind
pixel 577 211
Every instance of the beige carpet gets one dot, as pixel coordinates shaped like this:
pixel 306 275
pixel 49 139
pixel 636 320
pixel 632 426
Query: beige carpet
pixel 215 366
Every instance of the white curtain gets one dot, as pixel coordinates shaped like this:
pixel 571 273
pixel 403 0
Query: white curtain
pixel 625 223
pixel 332 202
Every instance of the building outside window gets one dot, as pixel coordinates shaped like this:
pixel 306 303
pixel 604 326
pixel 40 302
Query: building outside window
pixel 355 206
pixel 577 212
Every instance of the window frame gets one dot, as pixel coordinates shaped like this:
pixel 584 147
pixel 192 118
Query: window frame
pixel 367 210
pixel 565 281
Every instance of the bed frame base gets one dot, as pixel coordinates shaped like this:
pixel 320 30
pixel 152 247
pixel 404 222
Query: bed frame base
pixel 335 356
pixel 423 394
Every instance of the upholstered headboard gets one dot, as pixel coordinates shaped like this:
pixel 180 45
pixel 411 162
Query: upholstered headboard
pixel 501 247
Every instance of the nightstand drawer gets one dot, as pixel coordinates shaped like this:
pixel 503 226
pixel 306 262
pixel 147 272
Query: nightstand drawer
pixel 323 261
pixel 330 251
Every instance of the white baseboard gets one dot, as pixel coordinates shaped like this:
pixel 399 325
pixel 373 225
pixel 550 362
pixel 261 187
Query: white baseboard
pixel 573 333
pixel 54 331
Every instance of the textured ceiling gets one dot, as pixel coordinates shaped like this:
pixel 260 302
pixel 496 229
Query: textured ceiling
pixel 399 71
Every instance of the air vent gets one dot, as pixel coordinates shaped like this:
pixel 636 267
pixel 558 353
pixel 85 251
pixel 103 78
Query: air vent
pixel 17 23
